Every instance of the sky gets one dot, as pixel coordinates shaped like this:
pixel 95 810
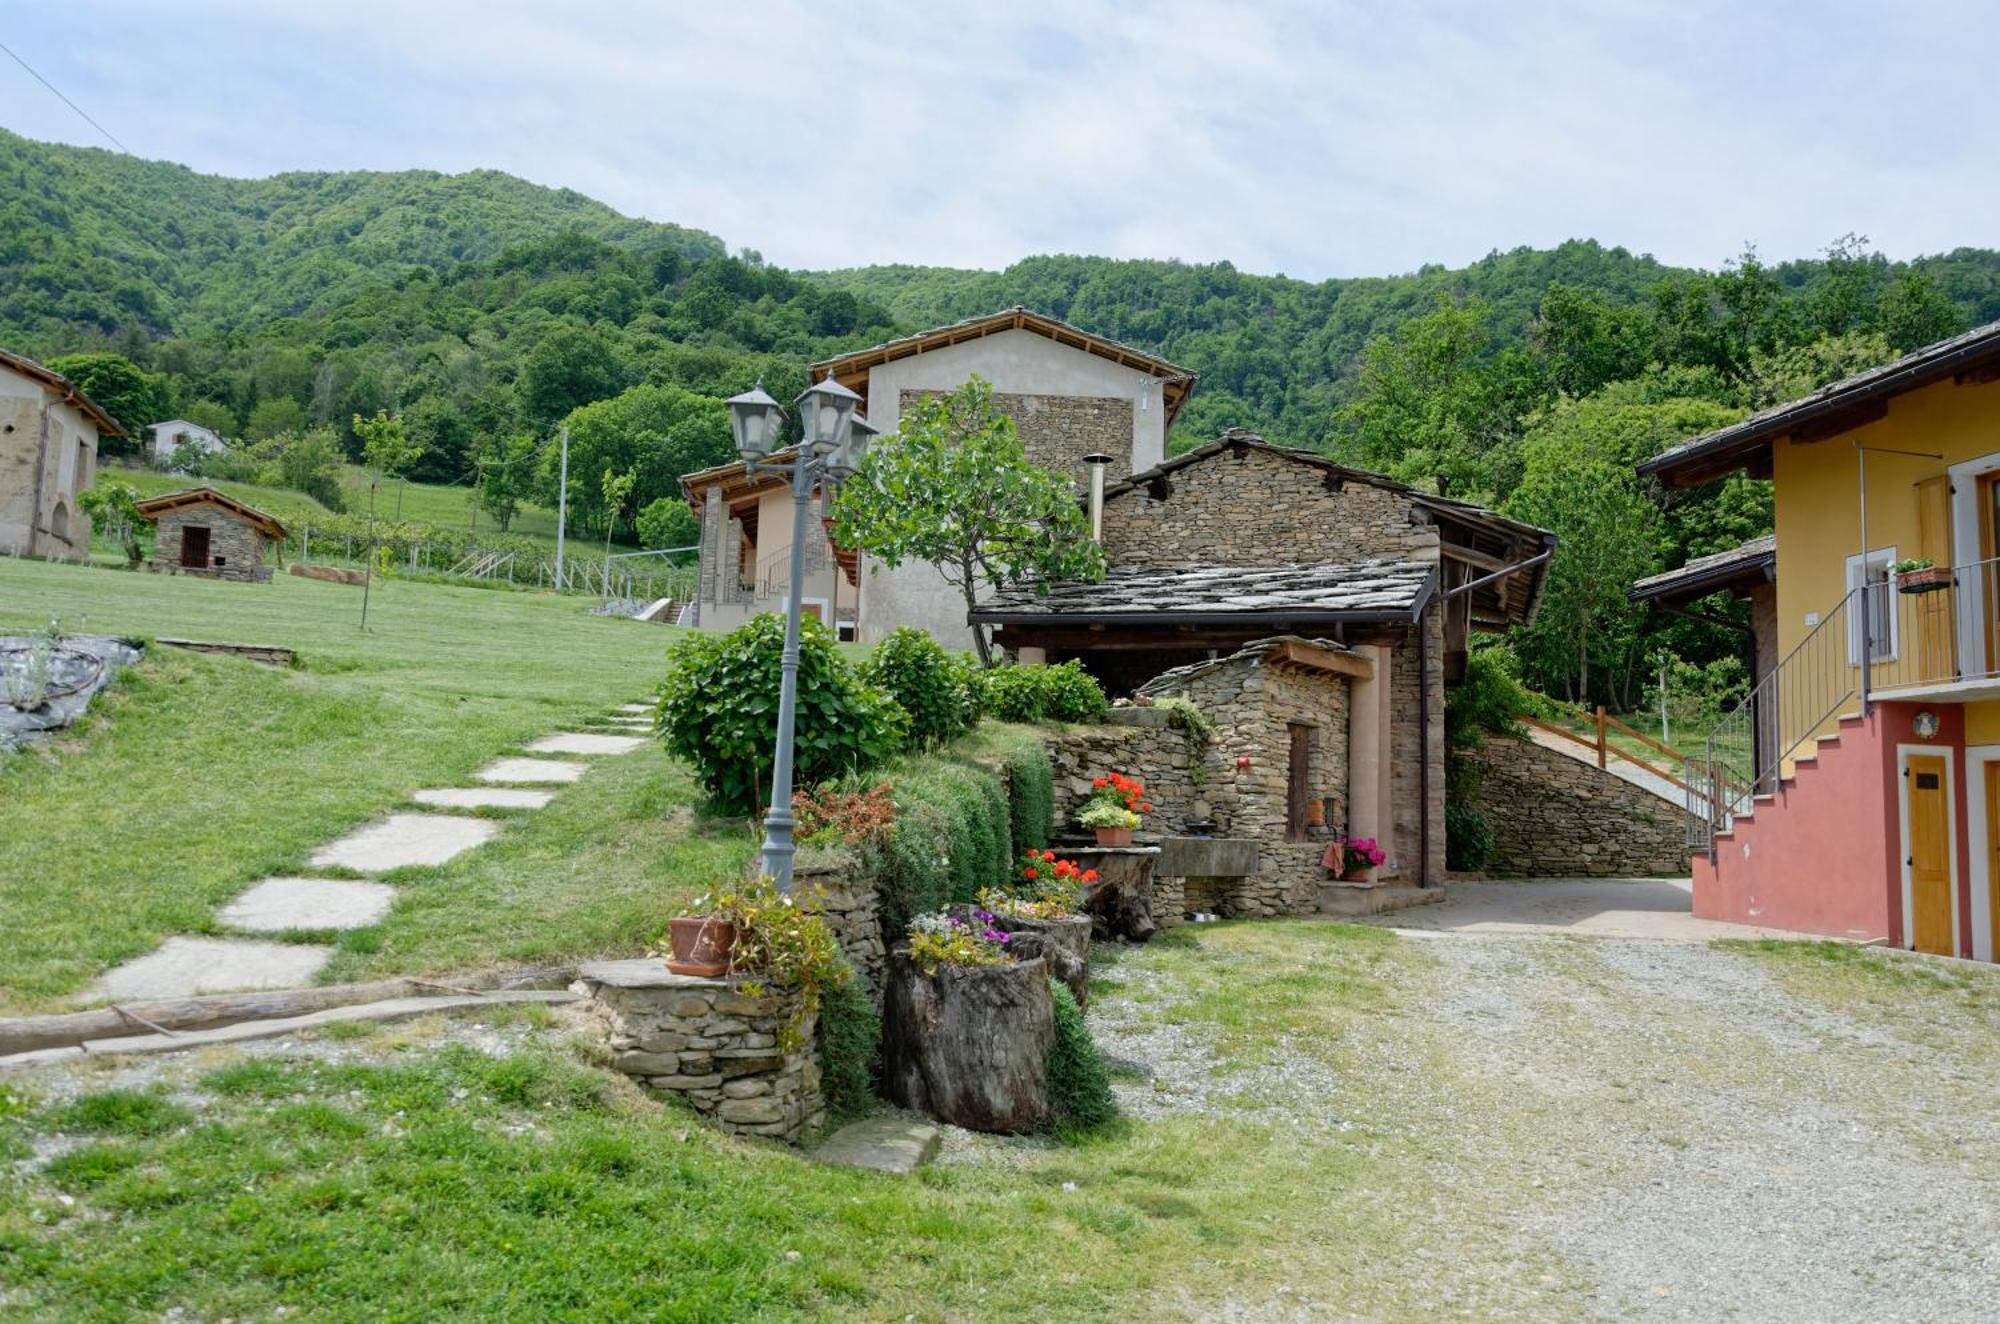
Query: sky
pixel 1312 139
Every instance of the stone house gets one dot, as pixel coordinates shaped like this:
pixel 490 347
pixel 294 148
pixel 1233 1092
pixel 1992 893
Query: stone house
pixel 1216 556
pixel 48 457
pixel 202 532
pixel 1071 394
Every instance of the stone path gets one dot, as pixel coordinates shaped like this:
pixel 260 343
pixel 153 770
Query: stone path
pixel 184 966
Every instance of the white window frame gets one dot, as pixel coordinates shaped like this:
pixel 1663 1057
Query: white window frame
pixel 1884 557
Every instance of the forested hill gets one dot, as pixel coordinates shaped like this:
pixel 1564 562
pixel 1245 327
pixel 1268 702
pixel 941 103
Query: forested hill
pixel 94 241
pixel 1284 355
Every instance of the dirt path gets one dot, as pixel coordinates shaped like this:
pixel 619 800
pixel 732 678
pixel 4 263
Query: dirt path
pixel 1705 1133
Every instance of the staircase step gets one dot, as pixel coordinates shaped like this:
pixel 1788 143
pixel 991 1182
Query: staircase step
pixel 1348 900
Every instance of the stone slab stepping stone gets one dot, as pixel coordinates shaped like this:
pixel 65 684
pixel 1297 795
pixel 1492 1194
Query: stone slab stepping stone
pixel 881 1144
pixel 183 967
pixel 405 839
pixel 633 708
pixel 391 1009
pixel 482 797
pixel 277 904
pixel 531 770
pixel 585 742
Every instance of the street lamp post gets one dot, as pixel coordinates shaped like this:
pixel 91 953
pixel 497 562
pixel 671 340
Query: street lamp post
pixel 833 438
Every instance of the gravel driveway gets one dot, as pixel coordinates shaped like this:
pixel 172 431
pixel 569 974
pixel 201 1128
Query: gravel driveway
pixel 1614 1128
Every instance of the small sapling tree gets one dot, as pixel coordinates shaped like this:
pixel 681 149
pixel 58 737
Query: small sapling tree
pixel 954 487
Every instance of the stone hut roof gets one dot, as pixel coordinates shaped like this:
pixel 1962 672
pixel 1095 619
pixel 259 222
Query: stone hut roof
pixel 1359 592
pixel 1484 540
pixel 1287 650
pixel 1744 566
pixel 154 507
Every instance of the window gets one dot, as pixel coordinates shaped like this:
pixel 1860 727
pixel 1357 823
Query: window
pixel 1881 606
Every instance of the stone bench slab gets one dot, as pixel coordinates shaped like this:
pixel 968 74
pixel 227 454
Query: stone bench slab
pixel 882 1144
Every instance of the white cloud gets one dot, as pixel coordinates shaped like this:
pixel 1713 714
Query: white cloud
pixel 1319 139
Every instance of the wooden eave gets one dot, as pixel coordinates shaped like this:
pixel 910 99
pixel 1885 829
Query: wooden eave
pixel 852 370
pixel 194 498
pixel 1311 657
pixel 60 385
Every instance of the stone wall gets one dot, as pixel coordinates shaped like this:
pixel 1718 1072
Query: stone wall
pixel 1253 706
pixel 235 546
pixel 834 884
pixel 1557 817
pixel 1249 506
pixel 1059 430
pixel 704 1041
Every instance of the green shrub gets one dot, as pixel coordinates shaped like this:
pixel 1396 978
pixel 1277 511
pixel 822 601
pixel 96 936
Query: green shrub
pixel 1065 693
pixel 952 837
pixel 850 1033
pixel 1487 701
pixel 927 681
pixel 1468 837
pixel 1079 1086
pixel 719 705
pixel 1031 802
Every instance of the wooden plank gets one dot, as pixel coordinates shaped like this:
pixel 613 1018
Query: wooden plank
pixel 1315 658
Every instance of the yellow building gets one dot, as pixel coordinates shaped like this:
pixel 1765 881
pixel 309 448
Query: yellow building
pixel 1851 800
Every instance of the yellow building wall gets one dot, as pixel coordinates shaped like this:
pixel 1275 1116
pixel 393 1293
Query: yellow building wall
pixel 1982 723
pixel 1817 494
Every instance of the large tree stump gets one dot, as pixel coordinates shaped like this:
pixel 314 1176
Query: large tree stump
pixel 970 1046
pixel 1120 903
pixel 1064 942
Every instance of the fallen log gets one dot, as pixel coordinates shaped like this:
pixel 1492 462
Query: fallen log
pixel 970 1045
pixel 22 1034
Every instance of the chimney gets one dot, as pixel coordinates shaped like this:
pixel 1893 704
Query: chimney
pixel 1097 463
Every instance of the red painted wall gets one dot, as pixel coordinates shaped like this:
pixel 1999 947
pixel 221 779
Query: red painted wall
pixel 1825 856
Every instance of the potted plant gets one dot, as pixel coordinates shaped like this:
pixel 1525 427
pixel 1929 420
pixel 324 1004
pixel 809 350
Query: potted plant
pixel 1114 807
pixel 1356 857
pixel 764 933
pixel 1041 908
pixel 700 943
pixel 1920 575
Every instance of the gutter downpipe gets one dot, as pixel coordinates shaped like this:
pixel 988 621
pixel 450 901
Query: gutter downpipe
pixel 1423 751
pixel 1098 462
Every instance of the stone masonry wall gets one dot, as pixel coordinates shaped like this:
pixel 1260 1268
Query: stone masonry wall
pixel 1250 507
pixel 238 545
pixel 1059 430
pixel 1557 817
pixel 707 1042
pixel 834 884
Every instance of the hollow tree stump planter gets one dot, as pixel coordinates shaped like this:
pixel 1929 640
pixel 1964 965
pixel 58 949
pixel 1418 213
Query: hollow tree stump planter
pixel 1063 941
pixel 970 1045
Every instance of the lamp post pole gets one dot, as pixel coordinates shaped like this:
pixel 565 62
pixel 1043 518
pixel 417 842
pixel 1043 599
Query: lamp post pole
pixel 833 438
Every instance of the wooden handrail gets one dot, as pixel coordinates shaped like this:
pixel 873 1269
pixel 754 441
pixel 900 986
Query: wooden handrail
pixel 1603 749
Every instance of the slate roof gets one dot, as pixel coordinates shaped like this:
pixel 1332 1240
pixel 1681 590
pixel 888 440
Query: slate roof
pixel 1167 682
pixel 1726 448
pixel 166 504
pixel 1375 590
pixel 1709 574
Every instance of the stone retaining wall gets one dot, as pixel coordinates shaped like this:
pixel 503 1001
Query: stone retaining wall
pixel 707 1042
pixel 1557 817
pixel 835 885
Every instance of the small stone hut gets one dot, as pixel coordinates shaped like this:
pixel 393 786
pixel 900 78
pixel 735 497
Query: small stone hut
pixel 203 532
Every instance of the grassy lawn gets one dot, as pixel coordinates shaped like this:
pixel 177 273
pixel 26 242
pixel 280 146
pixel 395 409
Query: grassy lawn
pixel 393 1177
pixel 197 775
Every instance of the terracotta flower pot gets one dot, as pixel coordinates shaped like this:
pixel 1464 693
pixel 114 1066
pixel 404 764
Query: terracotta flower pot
pixel 701 945
pixel 1932 579
pixel 1360 873
pixel 1113 836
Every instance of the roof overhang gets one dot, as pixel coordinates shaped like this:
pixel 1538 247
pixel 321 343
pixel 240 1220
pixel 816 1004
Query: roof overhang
pixel 1739 571
pixel 1970 359
pixel 851 370
pixel 195 497
pixel 60 385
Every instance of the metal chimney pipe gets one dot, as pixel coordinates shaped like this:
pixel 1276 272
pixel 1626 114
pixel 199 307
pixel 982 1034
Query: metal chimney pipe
pixel 1098 463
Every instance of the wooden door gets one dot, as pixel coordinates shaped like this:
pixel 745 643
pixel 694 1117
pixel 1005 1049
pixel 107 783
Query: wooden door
pixel 1929 854
pixel 194 546
pixel 1298 783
